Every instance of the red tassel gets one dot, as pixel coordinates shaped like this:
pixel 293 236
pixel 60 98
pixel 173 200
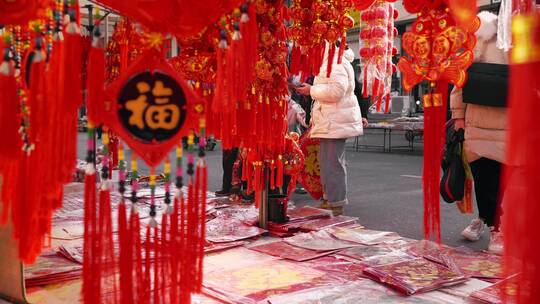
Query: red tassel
pixel 138 274
pixel 365 83
pixel 342 49
pixel 90 273
pixel 434 140
pixel 375 92
pixel 105 239
pixel 279 182
pixel 387 103
pixel 331 53
pixel 95 85
pixel 72 67
pixel 157 267
pixel 9 113
pixel 147 281
pixel 173 254
pixel 296 57
pixel 126 258
pixel 521 180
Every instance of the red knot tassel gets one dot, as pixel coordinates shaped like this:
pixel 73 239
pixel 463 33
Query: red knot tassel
pixel 126 259
pixel 95 84
pixel 9 113
pixel 435 116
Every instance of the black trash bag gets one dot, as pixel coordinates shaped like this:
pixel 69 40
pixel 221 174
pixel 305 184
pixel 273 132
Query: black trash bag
pixel 452 186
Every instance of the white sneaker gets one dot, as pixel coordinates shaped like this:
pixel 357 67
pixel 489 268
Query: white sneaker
pixel 474 231
pixel 496 243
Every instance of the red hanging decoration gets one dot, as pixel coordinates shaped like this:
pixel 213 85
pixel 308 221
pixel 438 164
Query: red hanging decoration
pixel 440 52
pixel 9 109
pixel 152 103
pixel 176 18
pixel 316 23
pixel 377 49
pixel 521 179
pixel 21 11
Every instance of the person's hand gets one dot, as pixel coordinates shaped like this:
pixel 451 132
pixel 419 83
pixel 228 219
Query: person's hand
pixel 459 124
pixel 365 122
pixel 304 89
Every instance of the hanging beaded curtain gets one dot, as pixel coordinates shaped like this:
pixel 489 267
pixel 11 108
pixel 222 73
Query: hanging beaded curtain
pixel 41 104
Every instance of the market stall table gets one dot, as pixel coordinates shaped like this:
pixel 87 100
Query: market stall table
pixel 249 271
pixel 412 128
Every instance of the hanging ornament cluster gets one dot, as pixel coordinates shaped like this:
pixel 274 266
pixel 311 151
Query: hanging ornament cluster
pixel 377 36
pixel 42 104
pixel 316 22
pixel 151 108
pixel 183 18
pixel 439 52
pixel 21 12
pixel 123 47
pixel 266 103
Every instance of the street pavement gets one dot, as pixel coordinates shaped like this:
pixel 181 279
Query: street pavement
pixel 384 190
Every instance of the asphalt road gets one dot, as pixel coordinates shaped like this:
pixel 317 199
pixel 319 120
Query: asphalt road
pixel 385 191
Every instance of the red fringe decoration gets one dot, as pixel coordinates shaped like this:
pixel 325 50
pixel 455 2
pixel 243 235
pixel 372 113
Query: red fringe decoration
pixel 9 114
pixel 95 85
pixel 295 61
pixel 72 67
pixel 521 203
pixel 90 274
pixel 387 103
pixel 434 121
pixel 126 258
pixel 342 49
pixel 331 53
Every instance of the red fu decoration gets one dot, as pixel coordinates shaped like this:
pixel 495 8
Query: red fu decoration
pixel 149 106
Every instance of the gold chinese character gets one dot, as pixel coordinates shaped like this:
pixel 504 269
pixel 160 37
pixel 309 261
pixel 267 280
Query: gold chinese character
pixel 162 114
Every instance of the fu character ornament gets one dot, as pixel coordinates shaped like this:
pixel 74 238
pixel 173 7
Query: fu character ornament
pixel 150 106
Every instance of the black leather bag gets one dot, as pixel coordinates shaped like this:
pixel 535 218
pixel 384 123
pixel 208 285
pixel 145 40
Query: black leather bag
pixel 452 186
pixel 487 84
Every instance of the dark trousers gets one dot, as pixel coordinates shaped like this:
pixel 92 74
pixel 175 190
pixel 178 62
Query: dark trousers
pixel 229 157
pixel 486 174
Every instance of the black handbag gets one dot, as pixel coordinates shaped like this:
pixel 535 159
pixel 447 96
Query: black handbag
pixel 452 186
pixel 487 84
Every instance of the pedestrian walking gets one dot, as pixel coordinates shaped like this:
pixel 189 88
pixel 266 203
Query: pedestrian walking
pixel 485 135
pixel 335 117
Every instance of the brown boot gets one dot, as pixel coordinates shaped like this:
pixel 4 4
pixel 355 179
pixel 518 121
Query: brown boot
pixel 337 210
pixel 324 205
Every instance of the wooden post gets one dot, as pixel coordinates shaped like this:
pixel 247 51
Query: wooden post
pixel 11 269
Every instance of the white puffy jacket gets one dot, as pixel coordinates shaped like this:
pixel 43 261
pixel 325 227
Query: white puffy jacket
pixel 335 112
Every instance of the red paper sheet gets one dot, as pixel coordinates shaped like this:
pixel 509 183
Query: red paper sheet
pixel 307 213
pixel 221 230
pixel 211 247
pixel 415 276
pixel 364 236
pixel 481 265
pixel 336 221
pixel 256 282
pixel 285 251
pixel 390 258
pixel 496 293
pixel 362 252
pixel 51 268
pixel 361 291
pixel 340 269
pixel 318 240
